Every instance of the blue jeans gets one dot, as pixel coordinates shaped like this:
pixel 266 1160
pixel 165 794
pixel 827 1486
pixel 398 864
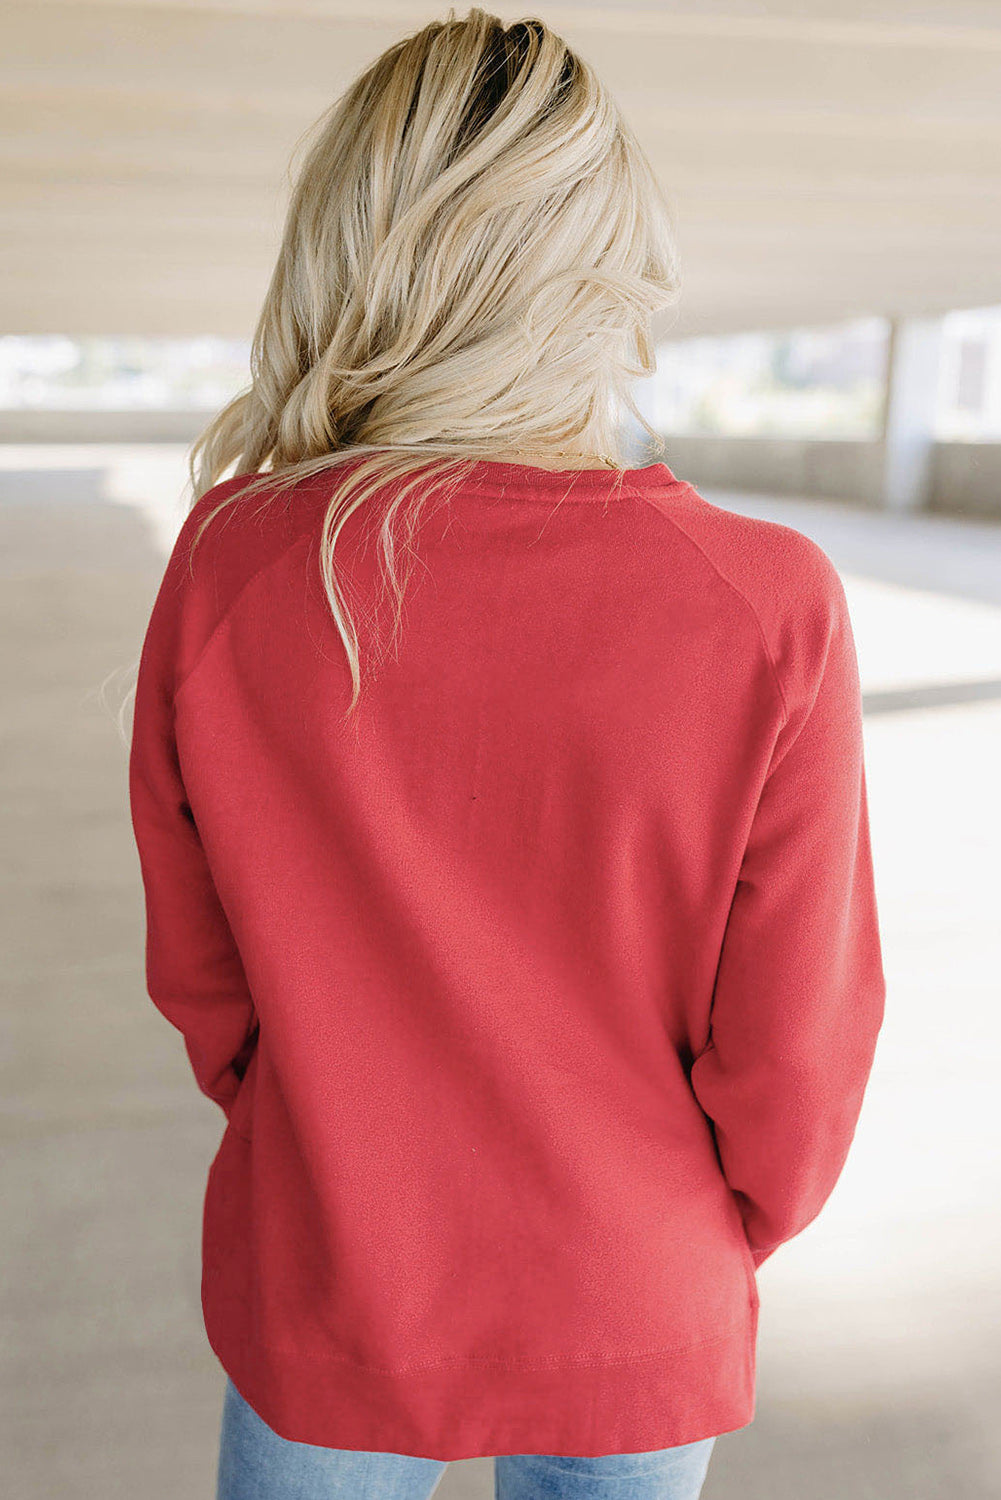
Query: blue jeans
pixel 256 1464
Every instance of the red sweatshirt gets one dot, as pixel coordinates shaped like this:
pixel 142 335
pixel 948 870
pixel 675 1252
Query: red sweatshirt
pixel 541 996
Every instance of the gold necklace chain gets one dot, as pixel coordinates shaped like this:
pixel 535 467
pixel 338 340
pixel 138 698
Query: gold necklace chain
pixel 564 453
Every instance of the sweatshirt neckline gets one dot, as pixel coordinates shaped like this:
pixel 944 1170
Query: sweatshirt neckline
pixel 509 478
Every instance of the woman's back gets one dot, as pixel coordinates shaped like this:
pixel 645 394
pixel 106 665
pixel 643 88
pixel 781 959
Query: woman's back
pixel 540 994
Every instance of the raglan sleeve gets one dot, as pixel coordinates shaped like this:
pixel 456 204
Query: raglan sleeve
pixel 799 993
pixel 194 972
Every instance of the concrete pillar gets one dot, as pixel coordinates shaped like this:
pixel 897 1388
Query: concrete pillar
pixel 911 408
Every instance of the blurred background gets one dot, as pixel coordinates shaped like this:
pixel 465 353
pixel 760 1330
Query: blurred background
pixel 835 364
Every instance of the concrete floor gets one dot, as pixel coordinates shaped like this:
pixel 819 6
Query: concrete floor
pixel 880 1341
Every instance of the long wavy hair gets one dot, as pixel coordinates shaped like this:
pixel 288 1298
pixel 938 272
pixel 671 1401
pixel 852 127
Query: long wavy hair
pixel 474 247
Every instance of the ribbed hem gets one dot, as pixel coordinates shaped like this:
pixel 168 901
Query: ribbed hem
pixel 480 1410
pixel 494 478
pixel 580 484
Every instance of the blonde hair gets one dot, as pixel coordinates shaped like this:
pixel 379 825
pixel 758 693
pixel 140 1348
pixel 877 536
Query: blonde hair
pixel 474 247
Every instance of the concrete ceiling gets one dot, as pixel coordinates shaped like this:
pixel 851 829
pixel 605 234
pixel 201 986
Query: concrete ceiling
pixel 823 159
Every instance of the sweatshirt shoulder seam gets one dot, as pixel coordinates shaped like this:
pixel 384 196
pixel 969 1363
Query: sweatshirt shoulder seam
pixel 271 562
pixel 673 521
